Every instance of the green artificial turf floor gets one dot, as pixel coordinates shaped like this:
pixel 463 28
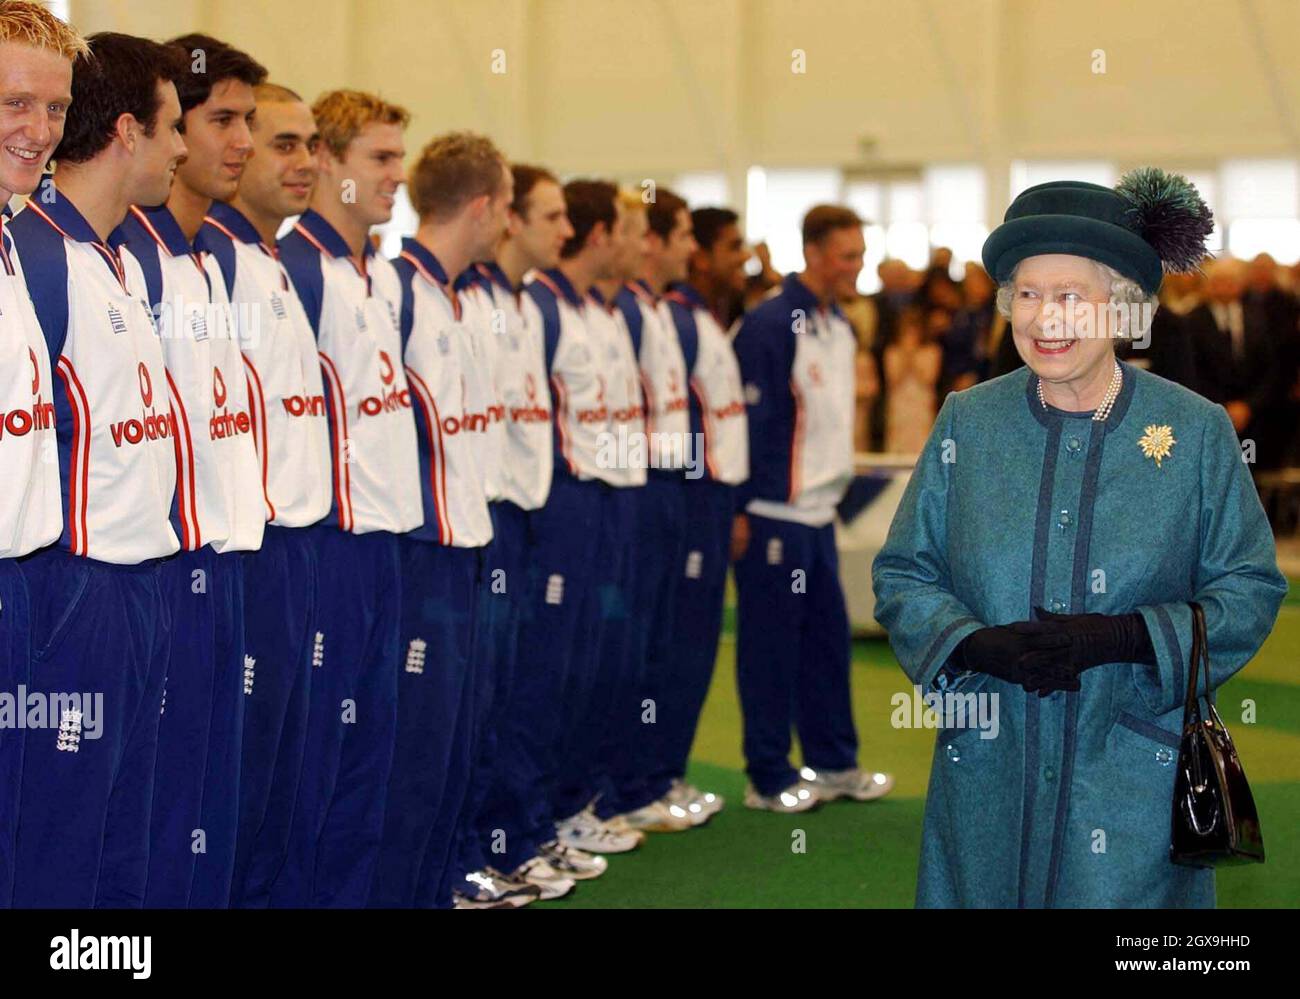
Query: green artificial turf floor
pixel 865 855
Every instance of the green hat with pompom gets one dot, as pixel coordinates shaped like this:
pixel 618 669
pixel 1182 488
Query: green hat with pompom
pixel 1150 224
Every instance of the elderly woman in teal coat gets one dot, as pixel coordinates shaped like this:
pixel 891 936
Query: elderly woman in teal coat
pixel 1057 523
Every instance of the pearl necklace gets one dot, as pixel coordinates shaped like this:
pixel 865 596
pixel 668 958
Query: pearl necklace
pixel 1112 393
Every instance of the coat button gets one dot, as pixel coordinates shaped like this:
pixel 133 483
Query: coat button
pixel 1064 519
pixel 1049 774
pixel 954 753
pixel 1073 445
pixel 1164 756
pixel 1056 607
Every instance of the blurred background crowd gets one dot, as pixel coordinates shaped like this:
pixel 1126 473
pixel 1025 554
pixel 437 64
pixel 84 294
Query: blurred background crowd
pixel 1231 333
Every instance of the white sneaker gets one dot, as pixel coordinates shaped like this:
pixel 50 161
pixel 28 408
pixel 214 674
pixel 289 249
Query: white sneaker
pixel 586 832
pixel 700 805
pixel 855 783
pixel 570 862
pixel 618 824
pixel 798 797
pixel 537 871
pixel 659 816
pixel 489 889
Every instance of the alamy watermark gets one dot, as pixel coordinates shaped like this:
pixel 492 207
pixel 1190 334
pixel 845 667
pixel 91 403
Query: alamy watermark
pixel 77 716
pixel 638 449
pixel 949 709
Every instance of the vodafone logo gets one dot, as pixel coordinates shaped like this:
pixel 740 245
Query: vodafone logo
pixel 146 384
pixel 815 373
pixel 600 392
pixel 530 386
pixel 298 405
pixel 385 367
pixel 20 422
pixel 218 388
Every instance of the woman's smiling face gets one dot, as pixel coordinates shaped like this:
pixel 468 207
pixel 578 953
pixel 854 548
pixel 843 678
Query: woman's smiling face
pixel 1060 319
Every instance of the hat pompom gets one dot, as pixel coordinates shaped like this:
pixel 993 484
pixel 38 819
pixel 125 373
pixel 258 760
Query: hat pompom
pixel 1168 212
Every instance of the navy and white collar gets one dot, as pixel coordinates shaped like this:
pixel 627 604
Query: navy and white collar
pixel 687 294
pixel 327 237
pixel 426 259
pixel 166 231
pixel 803 298
pixel 234 222
pixel 555 277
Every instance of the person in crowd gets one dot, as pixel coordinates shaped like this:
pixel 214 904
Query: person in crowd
pixel 913 365
pixel 1235 358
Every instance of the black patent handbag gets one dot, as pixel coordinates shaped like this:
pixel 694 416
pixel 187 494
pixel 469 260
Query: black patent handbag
pixel 1215 823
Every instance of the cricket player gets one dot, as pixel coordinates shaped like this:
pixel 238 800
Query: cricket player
pixel 537 230
pixel 630 712
pixel 352 296
pixel 559 636
pixel 719 433
pixel 220 509
pixel 100 625
pixel 460 188
pixel 796 354
pixel 36 53
pixel 287 403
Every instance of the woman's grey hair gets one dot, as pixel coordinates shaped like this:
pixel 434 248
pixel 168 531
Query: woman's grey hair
pixel 1126 293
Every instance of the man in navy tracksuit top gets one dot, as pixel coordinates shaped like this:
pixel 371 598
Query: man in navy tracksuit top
pixel 291 433
pixel 796 353
pixel 99 618
pixel 30 511
pixel 221 507
pixel 352 297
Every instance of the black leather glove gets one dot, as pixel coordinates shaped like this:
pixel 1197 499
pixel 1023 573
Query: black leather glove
pixel 1024 653
pixel 1091 640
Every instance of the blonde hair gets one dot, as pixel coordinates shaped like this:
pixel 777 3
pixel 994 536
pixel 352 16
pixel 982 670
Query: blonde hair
pixel 631 200
pixel 342 114
pixel 28 23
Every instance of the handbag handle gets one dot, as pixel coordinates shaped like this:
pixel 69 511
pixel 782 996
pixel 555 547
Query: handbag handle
pixel 1192 708
pixel 1200 655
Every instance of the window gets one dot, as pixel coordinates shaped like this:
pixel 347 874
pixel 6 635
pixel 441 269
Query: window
pixel 703 189
pixel 778 201
pixel 1261 205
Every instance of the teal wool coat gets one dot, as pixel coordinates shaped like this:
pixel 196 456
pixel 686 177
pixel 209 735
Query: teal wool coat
pixel 1011 506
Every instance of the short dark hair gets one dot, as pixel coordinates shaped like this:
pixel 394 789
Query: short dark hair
pixel 527 177
pixel 709 223
pixel 588 202
pixel 119 75
pixel 662 212
pixel 220 62
pixel 822 220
